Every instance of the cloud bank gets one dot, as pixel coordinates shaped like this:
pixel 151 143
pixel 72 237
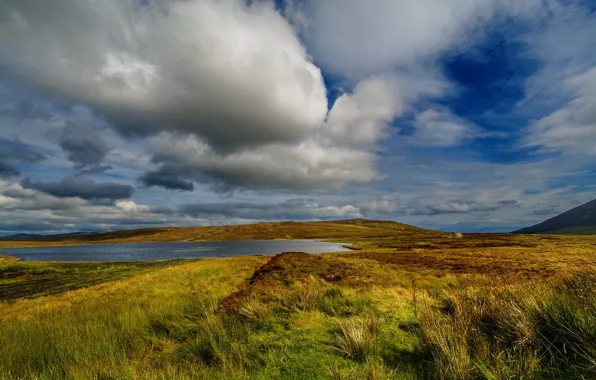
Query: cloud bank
pixel 226 86
pixel 436 112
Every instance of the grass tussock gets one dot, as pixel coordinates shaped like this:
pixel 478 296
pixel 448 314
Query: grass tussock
pixel 222 342
pixel 357 338
pixel 541 329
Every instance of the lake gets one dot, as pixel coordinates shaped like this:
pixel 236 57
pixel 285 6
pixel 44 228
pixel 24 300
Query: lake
pixel 170 250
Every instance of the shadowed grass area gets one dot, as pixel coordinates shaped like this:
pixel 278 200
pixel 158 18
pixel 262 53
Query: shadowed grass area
pixel 26 280
pixel 404 305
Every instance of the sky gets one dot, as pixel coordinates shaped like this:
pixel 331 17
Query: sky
pixel 460 115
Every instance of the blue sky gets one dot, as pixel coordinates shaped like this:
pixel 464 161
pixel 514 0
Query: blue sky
pixel 459 115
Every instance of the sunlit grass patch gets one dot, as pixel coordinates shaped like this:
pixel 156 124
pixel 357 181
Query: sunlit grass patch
pixel 357 338
pixel 509 331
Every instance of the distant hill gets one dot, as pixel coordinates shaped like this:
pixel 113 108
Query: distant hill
pixel 23 236
pixel 39 236
pixel 577 221
pixel 337 229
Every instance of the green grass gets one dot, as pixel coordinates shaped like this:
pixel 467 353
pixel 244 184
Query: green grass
pixel 169 323
pixel 391 310
pixel 510 332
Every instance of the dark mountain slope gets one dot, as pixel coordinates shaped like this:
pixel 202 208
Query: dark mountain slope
pixel 580 221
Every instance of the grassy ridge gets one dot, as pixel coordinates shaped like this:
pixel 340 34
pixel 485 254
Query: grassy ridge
pixel 346 229
pixel 402 306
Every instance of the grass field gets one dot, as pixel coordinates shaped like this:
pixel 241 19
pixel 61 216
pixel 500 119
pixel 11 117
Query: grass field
pixel 404 304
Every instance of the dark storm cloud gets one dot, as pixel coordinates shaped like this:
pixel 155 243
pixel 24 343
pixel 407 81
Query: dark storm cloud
pixel 13 153
pixel 94 170
pixel 84 147
pixel 80 187
pixel 16 150
pixel 8 170
pixel 508 203
pixel 162 178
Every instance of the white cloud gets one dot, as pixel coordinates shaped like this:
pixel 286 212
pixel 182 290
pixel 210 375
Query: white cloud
pixel 224 94
pixel 355 38
pixel 362 117
pixel 306 166
pixel 561 95
pixel 384 205
pixel 53 214
pixel 232 73
pixel 441 128
pixel 226 87
pixel 572 128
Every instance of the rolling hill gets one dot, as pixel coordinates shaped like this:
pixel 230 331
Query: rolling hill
pixel 338 229
pixel 580 220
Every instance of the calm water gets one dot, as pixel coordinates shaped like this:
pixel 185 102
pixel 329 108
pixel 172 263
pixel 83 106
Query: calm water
pixel 170 250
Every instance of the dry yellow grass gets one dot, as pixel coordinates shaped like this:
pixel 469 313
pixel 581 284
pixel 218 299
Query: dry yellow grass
pixel 206 277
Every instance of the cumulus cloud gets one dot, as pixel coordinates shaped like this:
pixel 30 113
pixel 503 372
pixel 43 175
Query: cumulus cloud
pixel 362 116
pixel 355 38
pixel 12 154
pixel 84 147
pixel 219 96
pixel 234 74
pixel 293 209
pixel 341 150
pixel 228 85
pixel 80 187
pixel 17 197
pixel 166 179
pixel 306 166
pixel 382 206
pixel 26 209
pixel 56 212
